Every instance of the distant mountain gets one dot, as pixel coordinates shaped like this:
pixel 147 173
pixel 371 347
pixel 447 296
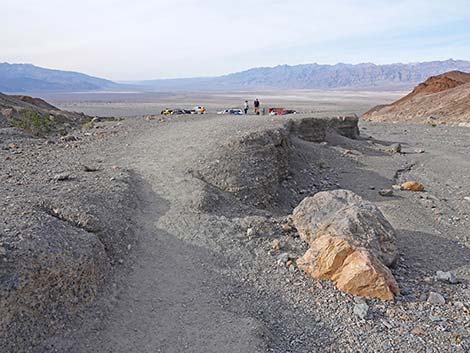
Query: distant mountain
pixel 443 98
pixel 27 77
pixel 315 76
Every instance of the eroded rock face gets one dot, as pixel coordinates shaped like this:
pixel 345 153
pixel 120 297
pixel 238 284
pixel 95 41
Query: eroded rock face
pixel 347 214
pixel 350 241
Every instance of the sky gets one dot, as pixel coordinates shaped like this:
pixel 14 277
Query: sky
pixel 149 39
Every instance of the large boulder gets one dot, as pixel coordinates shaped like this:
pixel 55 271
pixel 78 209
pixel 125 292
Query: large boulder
pixel 346 213
pixel 351 243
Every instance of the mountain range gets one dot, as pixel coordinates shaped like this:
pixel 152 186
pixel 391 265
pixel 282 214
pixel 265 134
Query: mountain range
pixel 27 77
pixel 30 78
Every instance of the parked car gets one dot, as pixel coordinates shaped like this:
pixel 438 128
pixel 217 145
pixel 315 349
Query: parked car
pixel 231 111
pixel 178 111
pixel 288 111
pixel 199 110
pixel 280 111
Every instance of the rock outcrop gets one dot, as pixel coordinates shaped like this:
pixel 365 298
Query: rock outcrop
pixel 36 116
pixel 351 243
pixel 440 99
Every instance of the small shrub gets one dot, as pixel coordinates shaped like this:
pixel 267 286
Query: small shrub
pixel 33 122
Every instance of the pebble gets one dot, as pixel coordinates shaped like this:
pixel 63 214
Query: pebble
pixel 361 310
pixel 276 244
pixel 250 232
pixel 436 298
pixel 62 177
pixel 286 227
pixel 418 331
pixel 386 192
pixel 283 258
pixel 395 148
pixel 87 168
pixel 448 277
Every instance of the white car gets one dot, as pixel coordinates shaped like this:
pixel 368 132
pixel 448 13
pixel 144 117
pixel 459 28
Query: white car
pixel 232 111
pixel 199 110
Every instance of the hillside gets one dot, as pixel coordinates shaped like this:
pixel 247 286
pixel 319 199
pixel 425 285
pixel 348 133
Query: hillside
pixel 27 77
pixel 315 76
pixel 442 98
pixel 36 116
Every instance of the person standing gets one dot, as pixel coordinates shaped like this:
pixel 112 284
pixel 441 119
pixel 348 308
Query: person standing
pixel 256 105
pixel 245 108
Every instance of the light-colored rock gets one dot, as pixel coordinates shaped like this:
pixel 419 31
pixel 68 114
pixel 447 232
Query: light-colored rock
pixel 448 277
pixel 350 241
pixel 62 176
pixel 361 310
pixel 354 270
pixel 286 227
pixel 396 187
pixel 436 298
pixel 68 138
pixel 386 192
pixel 418 331
pixel 283 258
pixel 412 186
pixel 395 148
pixel 276 245
pixel 344 213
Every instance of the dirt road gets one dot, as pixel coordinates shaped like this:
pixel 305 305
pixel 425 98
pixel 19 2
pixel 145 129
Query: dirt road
pixel 196 282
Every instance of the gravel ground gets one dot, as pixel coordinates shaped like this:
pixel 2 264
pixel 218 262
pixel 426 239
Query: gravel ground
pixel 201 275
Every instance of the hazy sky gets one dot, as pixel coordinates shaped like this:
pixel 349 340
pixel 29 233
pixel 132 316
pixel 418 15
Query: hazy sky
pixel 145 39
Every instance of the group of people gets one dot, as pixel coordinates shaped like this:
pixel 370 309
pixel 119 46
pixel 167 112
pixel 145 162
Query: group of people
pixel 255 107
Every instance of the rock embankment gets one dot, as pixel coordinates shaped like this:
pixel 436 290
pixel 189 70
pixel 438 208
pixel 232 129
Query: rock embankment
pixel 63 228
pixel 259 168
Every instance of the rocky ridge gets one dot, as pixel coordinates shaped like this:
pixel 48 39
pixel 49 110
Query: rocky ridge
pixel 37 117
pixel 439 99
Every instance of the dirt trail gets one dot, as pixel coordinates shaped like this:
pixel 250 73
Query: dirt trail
pixel 196 283
pixel 172 300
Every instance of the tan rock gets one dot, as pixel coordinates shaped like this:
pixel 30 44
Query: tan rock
pixel 286 227
pixel 276 245
pixel 364 275
pixel 412 186
pixel 354 270
pixel 418 331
